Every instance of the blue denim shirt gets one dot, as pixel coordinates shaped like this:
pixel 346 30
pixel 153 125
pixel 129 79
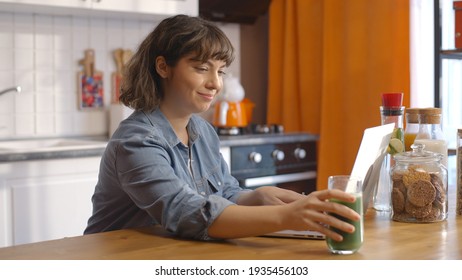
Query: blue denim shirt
pixel 145 179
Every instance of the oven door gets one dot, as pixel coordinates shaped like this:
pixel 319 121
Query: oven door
pixel 301 182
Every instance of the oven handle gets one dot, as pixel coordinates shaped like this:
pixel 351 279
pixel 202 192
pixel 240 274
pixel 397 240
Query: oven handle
pixel 277 179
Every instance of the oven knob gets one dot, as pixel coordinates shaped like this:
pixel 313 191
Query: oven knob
pixel 300 153
pixel 255 157
pixel 278 155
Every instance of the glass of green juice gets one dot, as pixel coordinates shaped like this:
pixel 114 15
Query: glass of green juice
pixel 351 241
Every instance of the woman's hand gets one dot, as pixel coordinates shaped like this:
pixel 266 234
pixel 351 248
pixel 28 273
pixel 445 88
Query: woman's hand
pixel 312 213
pixel 269 196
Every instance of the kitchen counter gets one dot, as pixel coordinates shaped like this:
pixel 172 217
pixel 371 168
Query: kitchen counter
pixel 383 240
pixel 50 148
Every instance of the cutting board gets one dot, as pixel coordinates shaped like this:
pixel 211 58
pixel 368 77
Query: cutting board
pixel 117 75
pixel 90 83
pixel 121 58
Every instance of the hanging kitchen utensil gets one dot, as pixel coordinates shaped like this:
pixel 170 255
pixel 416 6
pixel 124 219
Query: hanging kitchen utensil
pixel 90 83
pixel 117 75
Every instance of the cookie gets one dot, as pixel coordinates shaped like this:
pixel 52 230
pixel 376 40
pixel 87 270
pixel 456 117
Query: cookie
pixel 440 197
pixel 434 215
pixel 398 200
pixel 401 217
pixel 421 193
pixel 416 211
pixel 414 174
pixel 400 186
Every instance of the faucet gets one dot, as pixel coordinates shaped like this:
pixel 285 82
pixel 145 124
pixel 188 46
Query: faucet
pixel 16 88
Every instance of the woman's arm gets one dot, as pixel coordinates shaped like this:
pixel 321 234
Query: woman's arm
pixel 307 213
pixel 268 196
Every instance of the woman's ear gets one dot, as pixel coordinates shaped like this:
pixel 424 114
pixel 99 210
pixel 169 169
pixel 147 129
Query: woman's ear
pixel 162 67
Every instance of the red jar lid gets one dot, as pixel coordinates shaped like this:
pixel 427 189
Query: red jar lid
pixel 392 99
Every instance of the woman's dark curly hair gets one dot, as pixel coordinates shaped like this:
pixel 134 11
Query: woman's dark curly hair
pixel 174 38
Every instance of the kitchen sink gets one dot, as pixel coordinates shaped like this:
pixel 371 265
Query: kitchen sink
pixel 51 144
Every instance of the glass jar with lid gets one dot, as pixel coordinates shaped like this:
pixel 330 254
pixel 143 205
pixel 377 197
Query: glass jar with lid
pixel 431 134
pixel 419 192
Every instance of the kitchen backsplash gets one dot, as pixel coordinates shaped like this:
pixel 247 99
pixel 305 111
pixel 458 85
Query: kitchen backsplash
pixel 41 54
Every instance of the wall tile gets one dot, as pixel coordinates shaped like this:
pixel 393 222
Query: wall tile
pixel 65 82
pixel 62 33
pixel 90 121
pixel 7 103
pixel 23 59
pixel 6 19
pixel 62 60
pixel 44 81
pixel 45 103
pixel 98 34
pixel 7 127
pixel 45 124
pixel 24 103
pixel 65 103
pixel 25 79
pixel 24 125
pixel 7 59
pixel 6 79
pixel 64 124
pixel 80 33
pixel 23 31
pixel 131 36
pixel 114 36
pixel 43 32
pixel 44 60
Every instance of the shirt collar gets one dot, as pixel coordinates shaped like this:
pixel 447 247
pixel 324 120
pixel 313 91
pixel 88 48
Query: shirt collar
pixel 158 119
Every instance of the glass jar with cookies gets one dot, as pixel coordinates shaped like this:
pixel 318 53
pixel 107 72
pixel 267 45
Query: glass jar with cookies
pixel 420 187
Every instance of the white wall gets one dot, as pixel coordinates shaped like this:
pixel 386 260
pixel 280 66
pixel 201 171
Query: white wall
pixel 40 53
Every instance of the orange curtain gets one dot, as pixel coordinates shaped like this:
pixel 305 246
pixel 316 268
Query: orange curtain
pixel 329 61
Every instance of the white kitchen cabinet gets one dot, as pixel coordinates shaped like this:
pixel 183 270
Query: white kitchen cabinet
pixel 167 7
pixel 55 3
pixel 47 199
pixel 105 7
pixel 6 234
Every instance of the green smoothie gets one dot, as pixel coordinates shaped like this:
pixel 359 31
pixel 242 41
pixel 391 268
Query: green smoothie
pixel 351 241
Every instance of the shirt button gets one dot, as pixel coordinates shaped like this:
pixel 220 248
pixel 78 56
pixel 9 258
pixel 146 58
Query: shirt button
pixel 202 193
pixel 219 183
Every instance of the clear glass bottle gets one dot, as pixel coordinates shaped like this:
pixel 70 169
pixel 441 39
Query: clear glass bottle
pixel 412 127
pixel 420 187
pixel 459 173
pixel 392 111
pixel 431 134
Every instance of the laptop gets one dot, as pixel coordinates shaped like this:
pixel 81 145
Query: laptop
pixel 368 163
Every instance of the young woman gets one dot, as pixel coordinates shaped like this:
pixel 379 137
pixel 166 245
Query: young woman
pixel 163 165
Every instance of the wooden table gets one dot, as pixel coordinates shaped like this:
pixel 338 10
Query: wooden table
pixel 383 240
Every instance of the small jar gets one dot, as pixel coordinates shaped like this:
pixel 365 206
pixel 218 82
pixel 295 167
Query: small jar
pixel 459 173
pixel 420 187
pixel 412 127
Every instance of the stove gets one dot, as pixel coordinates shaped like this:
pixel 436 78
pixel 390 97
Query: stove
pixel 286 160
pixel 250 129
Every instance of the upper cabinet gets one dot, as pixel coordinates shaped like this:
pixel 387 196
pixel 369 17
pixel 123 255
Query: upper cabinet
pixel 127 8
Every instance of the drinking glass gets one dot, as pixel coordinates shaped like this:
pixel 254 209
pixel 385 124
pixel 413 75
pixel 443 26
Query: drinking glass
pixel 351 241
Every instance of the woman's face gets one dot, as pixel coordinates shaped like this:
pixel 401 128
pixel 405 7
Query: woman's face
pixel 190 86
